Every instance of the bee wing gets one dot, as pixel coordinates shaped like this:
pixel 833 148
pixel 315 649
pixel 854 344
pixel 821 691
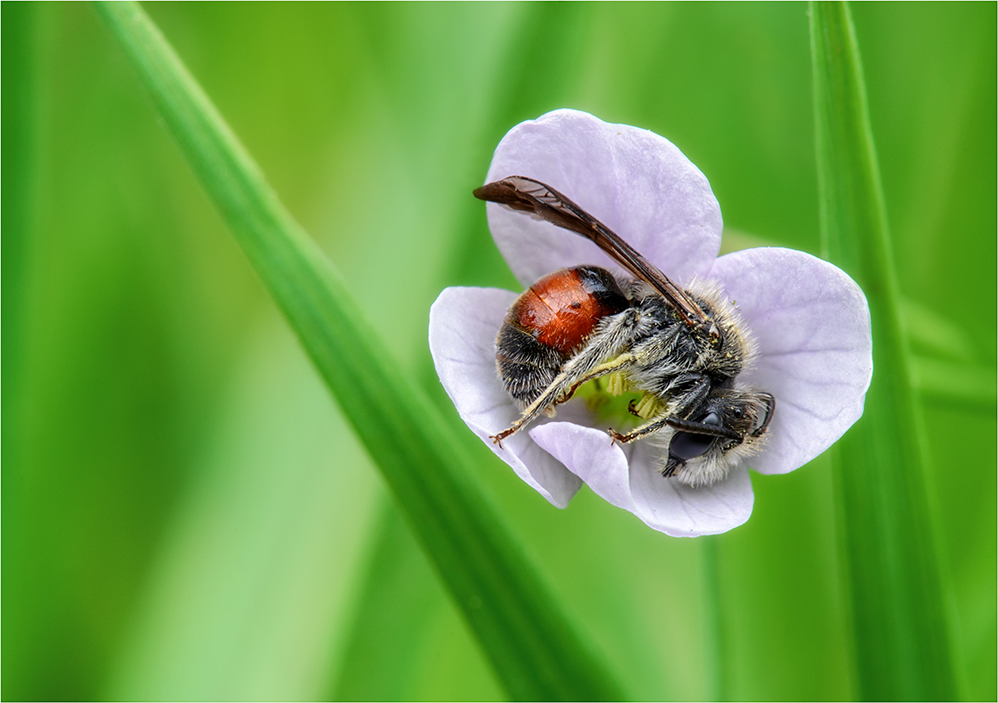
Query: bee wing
pixel 522 193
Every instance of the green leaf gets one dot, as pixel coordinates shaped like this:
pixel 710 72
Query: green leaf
pixel 401 629
pixel 900 629
pixel 715 651
pixel 969 385
pixel 534 649
pixel 398 614
pixel 19 202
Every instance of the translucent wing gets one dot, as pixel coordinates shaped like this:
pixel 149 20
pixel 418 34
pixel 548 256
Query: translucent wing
pixel 522 193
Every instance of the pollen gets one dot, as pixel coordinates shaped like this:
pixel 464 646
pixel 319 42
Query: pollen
pixel 648 407
pixel 616 384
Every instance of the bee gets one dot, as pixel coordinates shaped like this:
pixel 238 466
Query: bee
pixel 681 349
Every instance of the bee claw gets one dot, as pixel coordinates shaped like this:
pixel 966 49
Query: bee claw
pixel 669 470
pixel 498 438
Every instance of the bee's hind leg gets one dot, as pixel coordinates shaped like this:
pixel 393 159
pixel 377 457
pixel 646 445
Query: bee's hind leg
pixel 560 390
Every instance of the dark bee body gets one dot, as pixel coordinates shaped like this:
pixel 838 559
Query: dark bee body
pixel 705 418
pixel 549 323
pixel 683 349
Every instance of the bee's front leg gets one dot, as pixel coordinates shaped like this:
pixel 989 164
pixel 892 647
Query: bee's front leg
pixel 697 388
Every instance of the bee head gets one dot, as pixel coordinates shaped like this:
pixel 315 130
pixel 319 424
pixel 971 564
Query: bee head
pixel 728 419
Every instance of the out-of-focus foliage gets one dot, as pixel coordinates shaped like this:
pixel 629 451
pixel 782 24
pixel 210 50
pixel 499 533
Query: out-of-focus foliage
pixel 185 513
pixel 534 650
pixel 901 636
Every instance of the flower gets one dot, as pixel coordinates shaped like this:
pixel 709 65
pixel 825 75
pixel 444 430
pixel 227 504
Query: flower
pixel 810 320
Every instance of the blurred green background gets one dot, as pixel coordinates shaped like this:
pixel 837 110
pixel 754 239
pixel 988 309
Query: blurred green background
pixel 186 514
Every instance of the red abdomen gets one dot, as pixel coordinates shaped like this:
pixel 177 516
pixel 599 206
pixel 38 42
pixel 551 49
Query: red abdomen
pixel 561 310
pixel 549 323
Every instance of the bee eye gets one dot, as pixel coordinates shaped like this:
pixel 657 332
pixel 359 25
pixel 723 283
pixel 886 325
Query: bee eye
pixel 686 446
pixel 737 412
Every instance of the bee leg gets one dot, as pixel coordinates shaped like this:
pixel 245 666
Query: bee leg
pixel 561 389
pixel 703 428
pixel 690 426
pixel 671 466
pixel 692 399
pixel 643 431
pixel 601 355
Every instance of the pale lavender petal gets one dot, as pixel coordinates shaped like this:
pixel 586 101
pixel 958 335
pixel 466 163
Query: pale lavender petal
pixel 634 181
pixel 632 483
pixel 812 323
pixel 463 327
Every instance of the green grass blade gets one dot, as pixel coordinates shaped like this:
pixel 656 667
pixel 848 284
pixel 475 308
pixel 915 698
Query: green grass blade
pixel 19 204
pixel 902 648
pixel 394 589
pixel 715 634
pixel 402 627
pixel 534 649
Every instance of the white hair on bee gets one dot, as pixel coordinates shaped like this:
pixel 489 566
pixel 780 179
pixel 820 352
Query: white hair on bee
pixel 728 316
pixel 713 466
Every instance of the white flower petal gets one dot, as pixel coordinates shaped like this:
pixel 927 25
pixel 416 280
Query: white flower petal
pixel 812 324
pixel 463 327
pixel 634 181
pixel 810 319
pixel 662 504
